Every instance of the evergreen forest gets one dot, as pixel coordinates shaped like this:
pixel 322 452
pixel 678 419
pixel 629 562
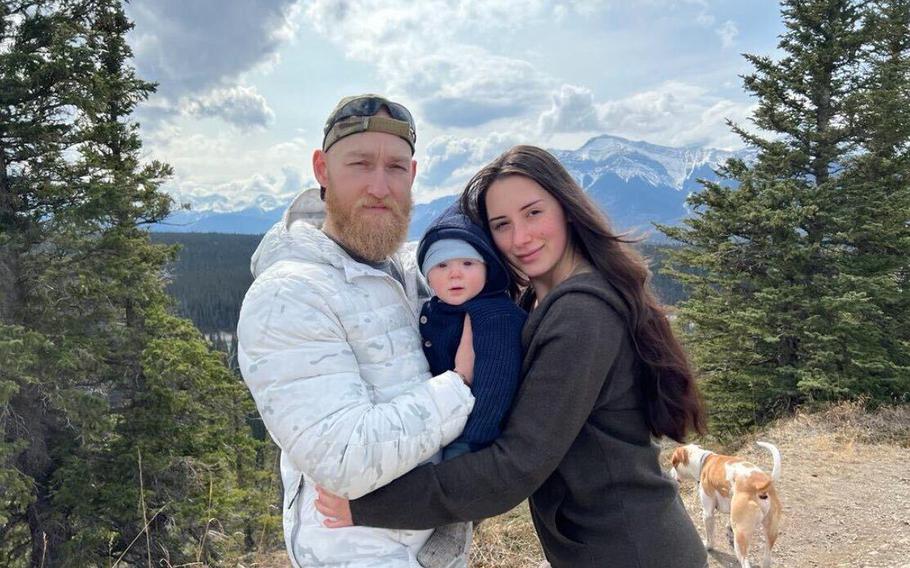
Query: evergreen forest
pixel 209 276
pixel 211 273
pixel 126 439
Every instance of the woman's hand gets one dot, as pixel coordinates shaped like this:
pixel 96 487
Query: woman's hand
pixel 464 357
pixel 337 510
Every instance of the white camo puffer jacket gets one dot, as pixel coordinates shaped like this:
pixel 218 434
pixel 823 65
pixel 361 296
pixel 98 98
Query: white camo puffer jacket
pixel 330 350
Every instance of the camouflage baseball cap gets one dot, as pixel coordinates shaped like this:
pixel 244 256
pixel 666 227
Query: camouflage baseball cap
pixel 356 114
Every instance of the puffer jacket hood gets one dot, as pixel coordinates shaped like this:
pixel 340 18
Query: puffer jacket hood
pixel 453 224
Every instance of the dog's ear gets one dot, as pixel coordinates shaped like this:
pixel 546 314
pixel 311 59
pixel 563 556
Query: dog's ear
pixel 680 456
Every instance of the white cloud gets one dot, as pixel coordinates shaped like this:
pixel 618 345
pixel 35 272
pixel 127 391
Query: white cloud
pixel 673 114
pixel 587 7
pixel 727 33
pixel 572 111
pixel 560 12
pixel 434 54
pixel 190 47
pixel 197 50
pixel 450 161
pixel 416 50
pixel 234 167
pixel 652 111
pixel 242 106
pixel 268 191
pixel 472 89
pixel 584 8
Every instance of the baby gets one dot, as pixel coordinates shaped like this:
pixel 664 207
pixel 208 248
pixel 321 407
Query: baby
pixel 469 279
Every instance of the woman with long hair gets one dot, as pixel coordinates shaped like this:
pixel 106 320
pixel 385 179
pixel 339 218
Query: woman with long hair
pixel 603 376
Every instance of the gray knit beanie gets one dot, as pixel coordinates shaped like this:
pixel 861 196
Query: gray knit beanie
pixel 447 249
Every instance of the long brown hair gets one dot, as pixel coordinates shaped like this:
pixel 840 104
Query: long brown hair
pixel 674 406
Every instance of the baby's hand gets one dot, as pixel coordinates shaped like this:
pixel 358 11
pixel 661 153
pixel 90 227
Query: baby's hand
pixel 464 357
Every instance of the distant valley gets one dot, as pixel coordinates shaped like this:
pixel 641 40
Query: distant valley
pixel 211 275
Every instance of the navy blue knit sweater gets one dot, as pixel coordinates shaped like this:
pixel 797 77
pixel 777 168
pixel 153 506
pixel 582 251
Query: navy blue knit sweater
pixel 496 323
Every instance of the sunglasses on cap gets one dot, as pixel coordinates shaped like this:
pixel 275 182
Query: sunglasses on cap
pixel 368 105
pixel 358 114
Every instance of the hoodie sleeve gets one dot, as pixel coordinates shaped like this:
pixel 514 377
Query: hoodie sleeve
pixel 306 382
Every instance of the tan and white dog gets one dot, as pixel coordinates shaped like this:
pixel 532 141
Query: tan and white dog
pixel 732 485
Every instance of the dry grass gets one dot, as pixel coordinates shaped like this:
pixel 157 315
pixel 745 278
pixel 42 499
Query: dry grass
pixel 507 541
pixel 850 422
pixel 843 434
pixel 272 559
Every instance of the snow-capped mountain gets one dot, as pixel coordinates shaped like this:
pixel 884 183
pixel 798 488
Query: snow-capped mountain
pixel 636 183
pixel 214 214
pixel 657 165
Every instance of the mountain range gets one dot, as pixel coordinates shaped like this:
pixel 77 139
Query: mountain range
pixel 636 183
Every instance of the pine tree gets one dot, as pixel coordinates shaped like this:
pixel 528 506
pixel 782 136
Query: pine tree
pixel 876 236
pixel 41 63
pixel 126 435
pixel 787 303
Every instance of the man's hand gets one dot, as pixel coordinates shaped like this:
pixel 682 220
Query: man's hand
pixel 464 357
pixel 337 510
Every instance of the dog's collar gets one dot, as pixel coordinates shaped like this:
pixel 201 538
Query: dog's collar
pixel 701 461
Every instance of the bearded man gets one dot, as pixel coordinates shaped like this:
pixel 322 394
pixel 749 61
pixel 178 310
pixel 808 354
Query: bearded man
pixel 329 346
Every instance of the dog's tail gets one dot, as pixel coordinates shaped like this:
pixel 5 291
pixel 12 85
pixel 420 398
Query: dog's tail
pixel 775 473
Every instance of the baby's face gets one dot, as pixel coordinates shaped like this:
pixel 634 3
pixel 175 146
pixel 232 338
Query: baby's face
pixel 457 280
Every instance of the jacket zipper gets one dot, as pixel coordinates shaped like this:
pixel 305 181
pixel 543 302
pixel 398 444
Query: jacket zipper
pixel 296 529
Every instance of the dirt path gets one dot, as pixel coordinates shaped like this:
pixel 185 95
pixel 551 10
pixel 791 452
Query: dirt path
pixel 846 495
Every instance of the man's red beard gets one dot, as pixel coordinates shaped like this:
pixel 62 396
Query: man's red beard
pixel 372 236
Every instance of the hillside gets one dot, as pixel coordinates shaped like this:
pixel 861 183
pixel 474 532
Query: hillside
pixel 845 489
pixel 210 276
pixel 212 273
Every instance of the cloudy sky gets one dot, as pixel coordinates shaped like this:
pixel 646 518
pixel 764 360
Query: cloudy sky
pixel 245 85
